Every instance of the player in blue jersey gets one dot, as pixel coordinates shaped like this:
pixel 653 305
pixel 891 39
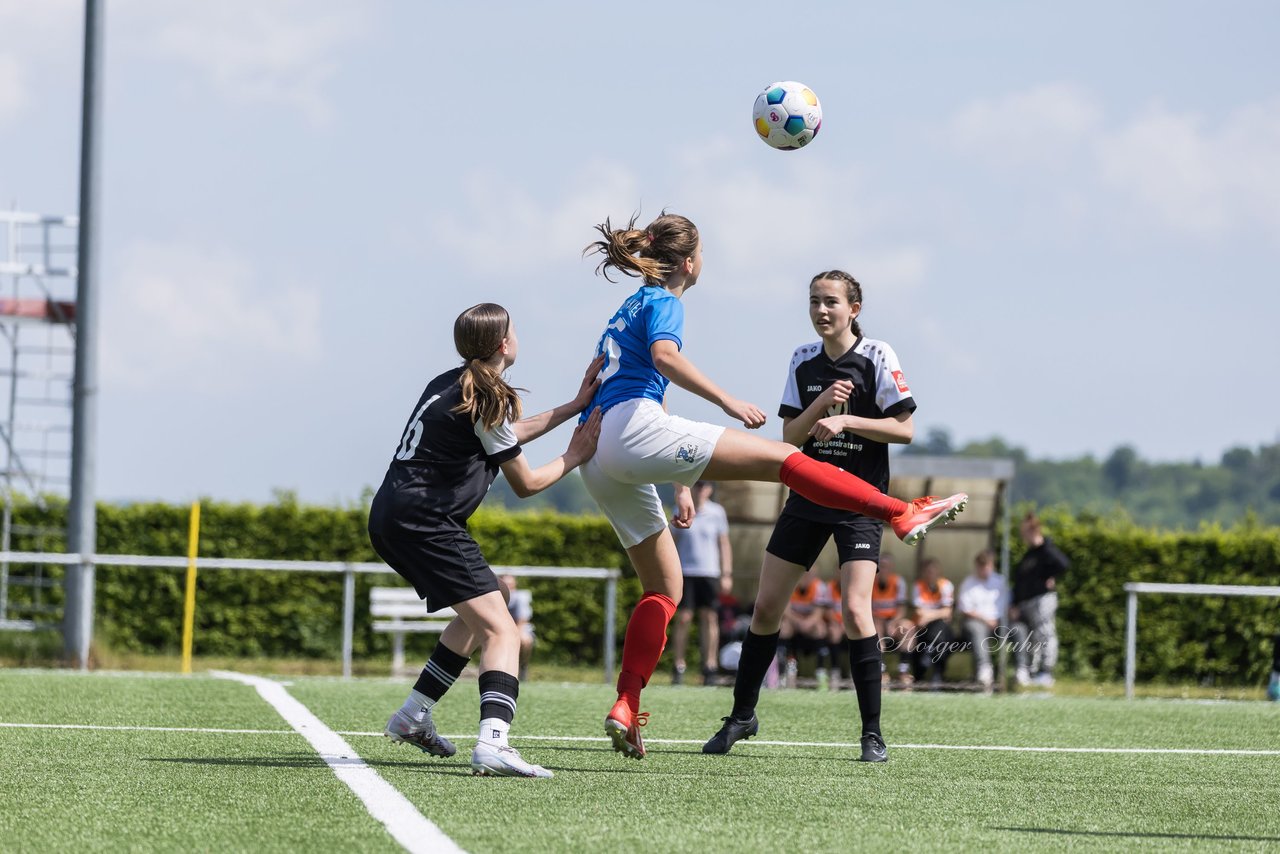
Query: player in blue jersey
pixel 466 426
pixel 641 444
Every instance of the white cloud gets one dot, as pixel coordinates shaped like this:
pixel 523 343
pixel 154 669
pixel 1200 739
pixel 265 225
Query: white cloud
pixel 1177 170
pixel 1196 178
pixel 505 224
pixel 180 310
pixel 763 231
pixel 13 94
pixel 1038 126
pixel 34 36
pixel 270 52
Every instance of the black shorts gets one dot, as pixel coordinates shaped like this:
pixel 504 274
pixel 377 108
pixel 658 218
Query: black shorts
pixel 700 593
pixel 445 568
pixel 800 541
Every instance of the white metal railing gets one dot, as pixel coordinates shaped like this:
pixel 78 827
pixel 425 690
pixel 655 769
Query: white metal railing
pixel 348 571
pixel 1133 588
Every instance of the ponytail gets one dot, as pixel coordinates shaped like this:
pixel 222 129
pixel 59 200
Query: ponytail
pixel 651 253
pixel 487 398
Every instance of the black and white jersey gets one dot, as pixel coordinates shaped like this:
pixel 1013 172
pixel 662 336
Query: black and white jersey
pixel 442 467
pixel 879 391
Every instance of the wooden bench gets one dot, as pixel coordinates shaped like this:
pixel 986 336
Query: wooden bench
pixel 398 611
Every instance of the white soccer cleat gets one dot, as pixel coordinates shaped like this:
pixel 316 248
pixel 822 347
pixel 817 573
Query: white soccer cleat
pixel 491 760
pixel 402 729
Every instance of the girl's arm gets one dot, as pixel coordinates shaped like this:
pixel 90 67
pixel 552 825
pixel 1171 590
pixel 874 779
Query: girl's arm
pixel 897 429
pixel 526 481
pixel 528 429
pixel 795 431
pixel 673 365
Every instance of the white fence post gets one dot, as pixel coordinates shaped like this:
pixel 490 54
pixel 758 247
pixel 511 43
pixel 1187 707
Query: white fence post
pixel 1130 643
pixel 348 618
pixel 610 625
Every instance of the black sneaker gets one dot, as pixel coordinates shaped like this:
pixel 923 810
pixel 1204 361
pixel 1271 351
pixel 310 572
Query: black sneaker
pixel 732 731
pixel 873 749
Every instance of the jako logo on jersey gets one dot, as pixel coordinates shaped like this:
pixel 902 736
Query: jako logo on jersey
pixel 901 381
pixel 687 452
pixel 813 388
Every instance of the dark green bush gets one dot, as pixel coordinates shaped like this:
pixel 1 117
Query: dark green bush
pixel 287 614
pixel 1216 640
pixel 292 614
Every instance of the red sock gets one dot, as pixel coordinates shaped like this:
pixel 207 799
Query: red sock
pixel 646 638
pixel 825 484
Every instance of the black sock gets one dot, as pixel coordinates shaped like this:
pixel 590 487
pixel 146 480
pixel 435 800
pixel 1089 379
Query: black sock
pixel 1275 655
pixel 757 652
pixel 865 659
pixel 498 693
pixel 441 671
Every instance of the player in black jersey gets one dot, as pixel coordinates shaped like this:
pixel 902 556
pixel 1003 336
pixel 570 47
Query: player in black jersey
pixel 464 428
pixel 844 401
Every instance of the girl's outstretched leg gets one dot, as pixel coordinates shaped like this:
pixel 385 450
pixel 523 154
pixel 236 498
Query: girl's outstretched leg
pixel 742 456
pixel 658 565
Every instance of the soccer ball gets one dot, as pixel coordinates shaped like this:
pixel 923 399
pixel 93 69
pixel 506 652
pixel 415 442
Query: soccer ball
pixel 787 115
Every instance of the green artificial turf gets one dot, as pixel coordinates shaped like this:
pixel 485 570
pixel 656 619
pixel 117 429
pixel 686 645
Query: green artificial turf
pixel 148 790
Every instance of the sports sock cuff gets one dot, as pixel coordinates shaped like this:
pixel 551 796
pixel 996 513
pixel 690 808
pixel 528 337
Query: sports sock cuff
pixel 667 604
pixel 766 642
pixel 451 661
pixel 861 649
pixel 498 693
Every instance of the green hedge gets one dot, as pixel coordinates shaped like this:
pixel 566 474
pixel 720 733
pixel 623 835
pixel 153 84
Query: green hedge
pixel 1212 640
pixel 289 614
pixel 1181 638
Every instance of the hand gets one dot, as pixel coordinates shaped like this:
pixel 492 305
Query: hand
pixel 685 512
pixel 1013 613
pixel 1051 583
pixel 836 393
pixel 583 444
pixel 748 413
pixel 726 585
pixel 827 428
pixel 590 382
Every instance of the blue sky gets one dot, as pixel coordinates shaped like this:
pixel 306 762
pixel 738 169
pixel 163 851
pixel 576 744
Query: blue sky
pixel 1066 218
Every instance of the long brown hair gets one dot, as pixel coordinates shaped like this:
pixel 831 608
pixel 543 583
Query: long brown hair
pixel 486 396
pixel 852 291
pixel 650 253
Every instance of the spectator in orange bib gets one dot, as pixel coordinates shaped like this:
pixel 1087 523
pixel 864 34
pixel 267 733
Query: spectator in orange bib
pixel 932 640
pixel 804 626
pixel 889 610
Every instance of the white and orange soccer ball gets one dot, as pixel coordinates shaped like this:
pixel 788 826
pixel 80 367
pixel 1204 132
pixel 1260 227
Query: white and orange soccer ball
pixel 787 115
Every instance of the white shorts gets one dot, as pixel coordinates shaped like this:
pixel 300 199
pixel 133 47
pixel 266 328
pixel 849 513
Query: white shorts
pixel 640 445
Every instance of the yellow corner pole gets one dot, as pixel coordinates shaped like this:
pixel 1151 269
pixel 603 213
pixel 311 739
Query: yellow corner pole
pixel 189 610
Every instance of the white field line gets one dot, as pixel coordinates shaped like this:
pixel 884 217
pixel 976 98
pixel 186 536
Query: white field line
pixel 414 831
pixel 1190 751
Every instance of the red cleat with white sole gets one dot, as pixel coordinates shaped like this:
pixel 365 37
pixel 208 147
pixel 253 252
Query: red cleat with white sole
pixel 924 514
pixel 623 728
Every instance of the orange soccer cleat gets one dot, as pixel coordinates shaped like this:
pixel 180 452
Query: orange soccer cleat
pixel 623 728
pixel 923 514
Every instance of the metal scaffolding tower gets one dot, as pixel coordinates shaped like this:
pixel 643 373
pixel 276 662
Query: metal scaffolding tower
pixel 37 359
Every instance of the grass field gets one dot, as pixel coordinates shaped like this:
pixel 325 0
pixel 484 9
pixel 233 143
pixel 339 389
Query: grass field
pixel 207 764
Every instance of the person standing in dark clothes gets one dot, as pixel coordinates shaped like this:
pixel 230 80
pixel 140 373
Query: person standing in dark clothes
pixel 1035 604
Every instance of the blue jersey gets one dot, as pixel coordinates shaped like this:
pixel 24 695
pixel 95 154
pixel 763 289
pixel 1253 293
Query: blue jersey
pixel 650 314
